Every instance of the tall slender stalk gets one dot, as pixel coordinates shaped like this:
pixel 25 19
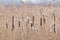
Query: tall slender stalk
pixel 54 23
pixel 44 19
pixel 12 26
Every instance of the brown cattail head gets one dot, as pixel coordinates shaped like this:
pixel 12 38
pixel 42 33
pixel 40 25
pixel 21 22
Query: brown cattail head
pixel 31 24
pixel 12 23
pixel 6 25
pixel 19 23
pixel 54 29
pixel 41 21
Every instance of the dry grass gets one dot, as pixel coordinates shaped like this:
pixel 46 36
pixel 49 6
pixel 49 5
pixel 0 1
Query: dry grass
pixel 42 29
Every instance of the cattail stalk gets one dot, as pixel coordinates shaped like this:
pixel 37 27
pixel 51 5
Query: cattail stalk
pixel 54 17
pixel 54 23
pixel 33 20
pixel 43 19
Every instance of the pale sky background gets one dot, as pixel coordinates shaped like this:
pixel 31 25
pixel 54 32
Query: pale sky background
pixel 6 2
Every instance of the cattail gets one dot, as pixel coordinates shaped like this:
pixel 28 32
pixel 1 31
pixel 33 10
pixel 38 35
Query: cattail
pixel 6 25
pixel 19 24
pixel 12 23
pixel 54 23
pixel 54 28
pixel 41 21
pixel 31 23
pixel 41 18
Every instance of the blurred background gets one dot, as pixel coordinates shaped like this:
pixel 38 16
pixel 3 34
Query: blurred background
pixel 18 2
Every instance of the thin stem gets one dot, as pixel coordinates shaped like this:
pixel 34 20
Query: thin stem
pixel 54 17
pixel 33 20
pixel 43 19
pixel 54 23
